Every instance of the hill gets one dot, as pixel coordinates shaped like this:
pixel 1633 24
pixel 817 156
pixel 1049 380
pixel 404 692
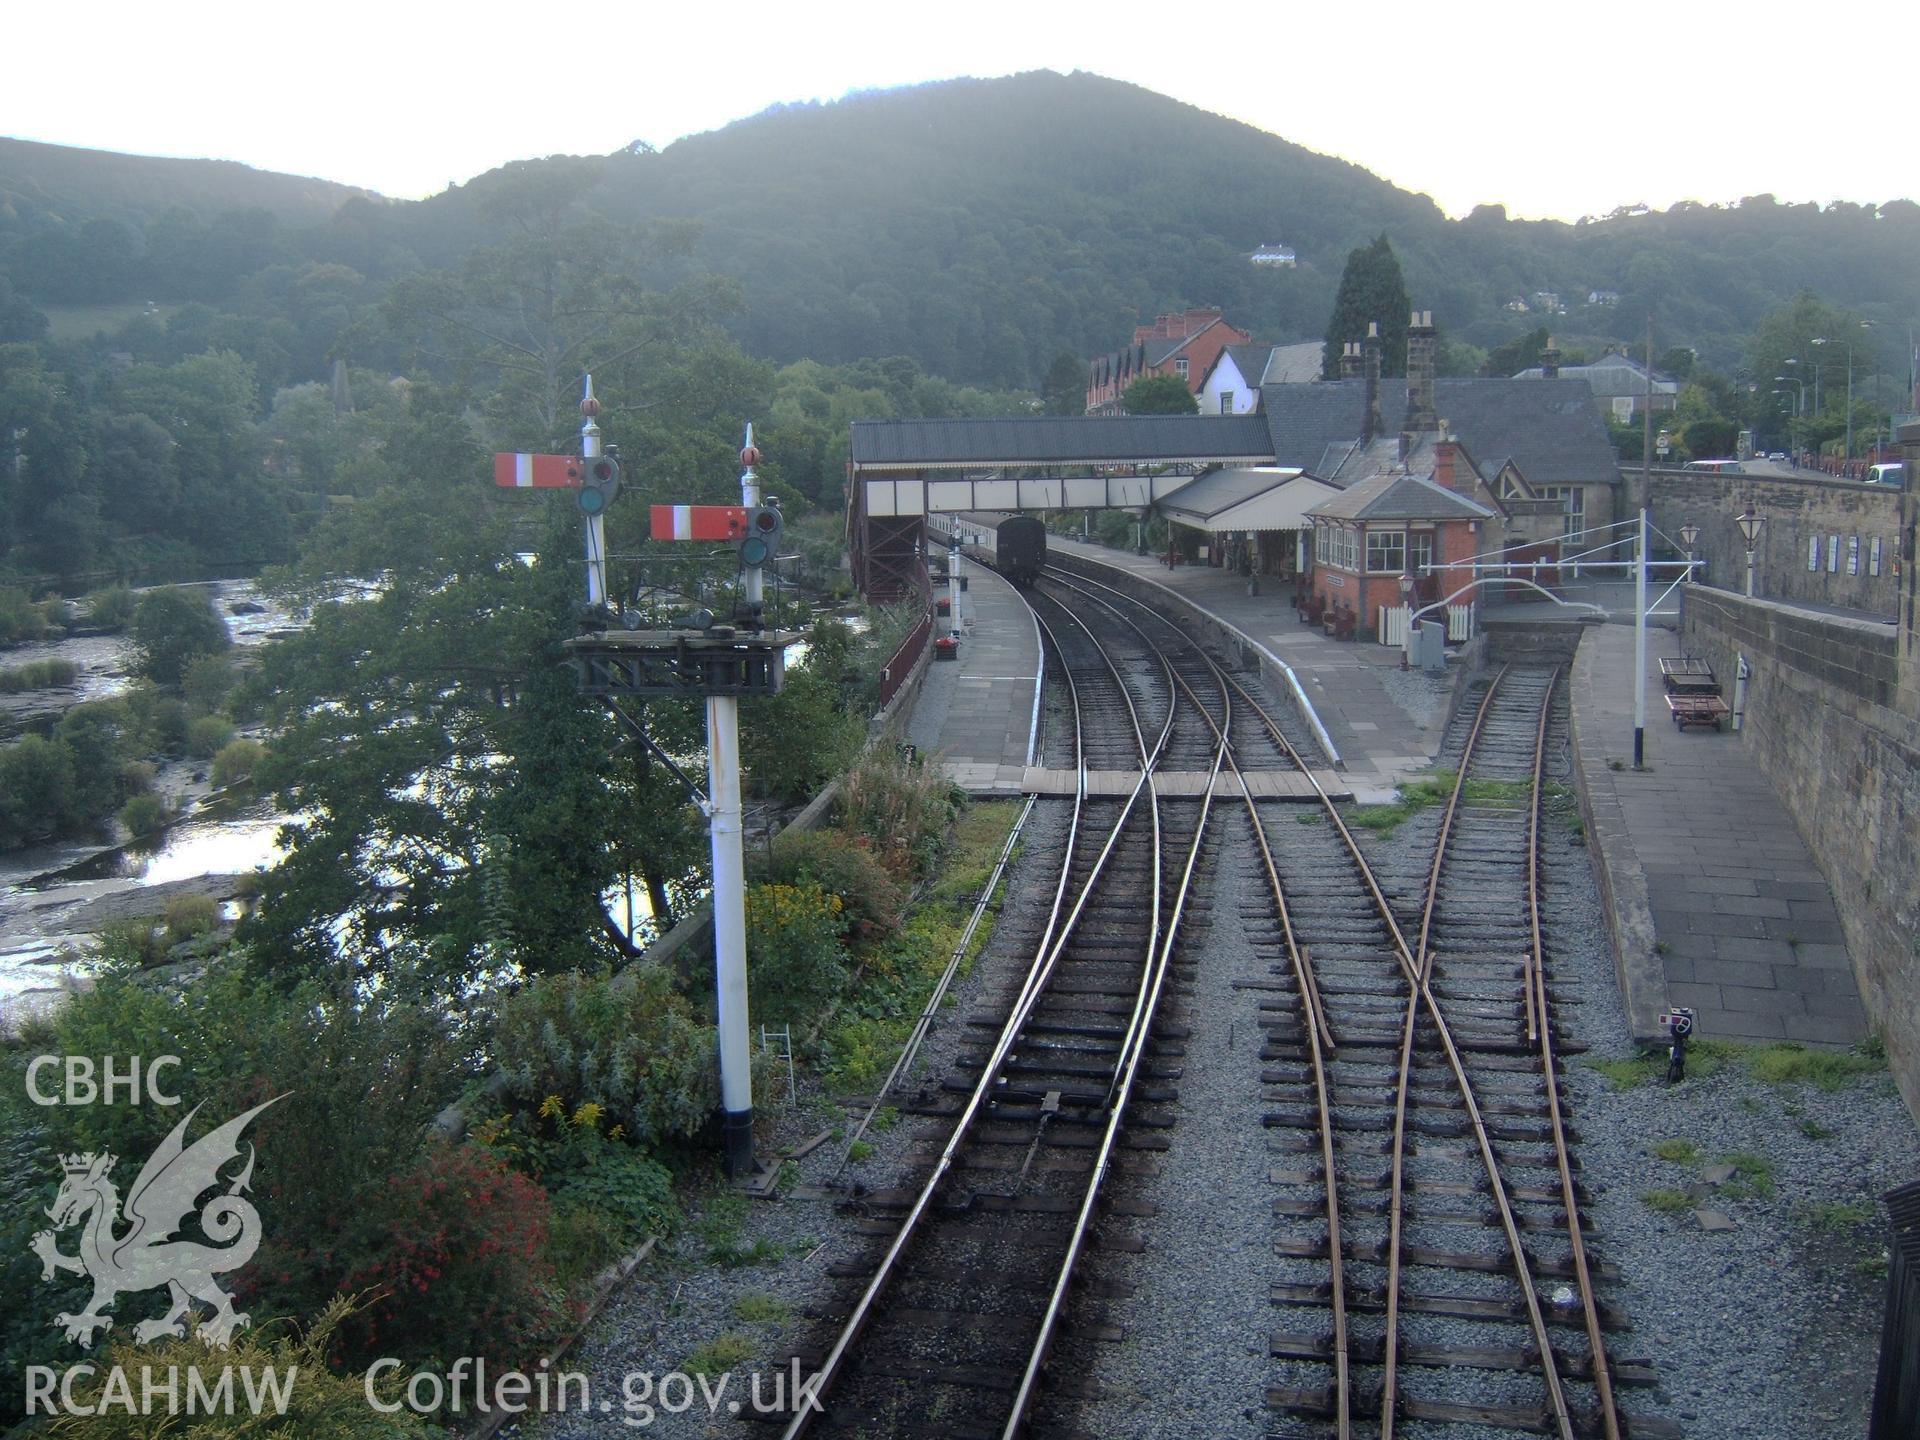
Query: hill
pixel 59 182
pixel 981 227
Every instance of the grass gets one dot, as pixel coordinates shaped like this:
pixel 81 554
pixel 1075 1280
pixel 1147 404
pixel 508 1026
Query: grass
pixel 1752 1175
pixel 1837 1217
pixel 884 1119
pixel 719 1229
pixel 1814 1130
pixel 727 1351
pixel 1785 1063
pixel 757 1307
pixel 1432 790
pixel 1704 1058
pixel 858 1151
pixel 1681 1152
pixel 1667 1201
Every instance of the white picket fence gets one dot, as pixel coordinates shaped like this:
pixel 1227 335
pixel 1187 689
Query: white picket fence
pixel 1393 624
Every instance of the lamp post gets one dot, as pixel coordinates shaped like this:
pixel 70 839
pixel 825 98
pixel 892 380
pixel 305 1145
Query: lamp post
pixel 1750 524
pixel 1689 537
pixel 1406 604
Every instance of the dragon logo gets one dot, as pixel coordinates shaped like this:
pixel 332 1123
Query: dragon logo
pixel 145 1256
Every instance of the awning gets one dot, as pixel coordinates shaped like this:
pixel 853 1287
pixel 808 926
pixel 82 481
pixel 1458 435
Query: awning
pixel 1248 498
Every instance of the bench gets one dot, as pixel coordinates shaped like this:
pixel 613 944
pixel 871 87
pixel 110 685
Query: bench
pixel 1697 709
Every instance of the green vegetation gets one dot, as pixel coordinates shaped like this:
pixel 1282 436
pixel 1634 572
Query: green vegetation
pixel 171 629
pixel 37 675
pixel 1785 1063
pixel 1704 1058
pixel 191 916
pixel 859 1150
pixel 237 760
pixel 757 1307
pixel 1667 1202
pixel 1752 1177
pixel 1837 1217
pixel 143 814
pixel 1371 292
pixel 727 1351
pixel 1413 797
pixel 1681 1152
pixel 1159 395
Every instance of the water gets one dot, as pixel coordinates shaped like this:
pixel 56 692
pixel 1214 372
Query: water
pixel 45 893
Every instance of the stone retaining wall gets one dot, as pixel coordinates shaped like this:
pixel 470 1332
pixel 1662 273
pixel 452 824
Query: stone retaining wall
pixel 1825 722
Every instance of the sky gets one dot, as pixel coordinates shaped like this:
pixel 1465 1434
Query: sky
pixel 1555 111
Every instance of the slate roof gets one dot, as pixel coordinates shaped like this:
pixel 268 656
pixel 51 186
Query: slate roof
pixel 1548 428
pixel 1223 489
pixel 1400 497
pixel 1058 440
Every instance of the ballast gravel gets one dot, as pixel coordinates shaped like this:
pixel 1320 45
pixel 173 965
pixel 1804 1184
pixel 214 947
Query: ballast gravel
pixel 1767 1330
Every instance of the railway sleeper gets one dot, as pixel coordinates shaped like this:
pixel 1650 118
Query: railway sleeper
pixel 1372 1350
pixel 1552 1222
pixel 1526 1104
pixel 1558 1267
pixel 1372 1300
pixel 1418 1185
pixel 1317 1402
pixel 1451 1126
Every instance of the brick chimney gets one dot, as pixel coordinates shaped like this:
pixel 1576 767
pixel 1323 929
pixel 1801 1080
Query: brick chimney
pixel 1370 364
pixel 1550 361
pixel 1445 449
pixel 1421 340
pixel 1350 362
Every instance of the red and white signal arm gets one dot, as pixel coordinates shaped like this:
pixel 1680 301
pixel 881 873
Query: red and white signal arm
pixel 699 522
pixel 536 472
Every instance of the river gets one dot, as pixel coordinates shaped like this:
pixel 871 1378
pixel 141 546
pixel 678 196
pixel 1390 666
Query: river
pixel 53 897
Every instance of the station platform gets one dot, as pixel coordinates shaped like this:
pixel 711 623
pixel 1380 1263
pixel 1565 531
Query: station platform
pixel 1385 723
pixel 1715 901
pixel 977 714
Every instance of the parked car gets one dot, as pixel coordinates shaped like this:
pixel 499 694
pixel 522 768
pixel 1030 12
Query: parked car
pixel 1779 457
pixel 1892 473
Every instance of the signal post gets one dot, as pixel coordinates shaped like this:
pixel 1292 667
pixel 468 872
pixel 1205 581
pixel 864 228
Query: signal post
pixel 721 661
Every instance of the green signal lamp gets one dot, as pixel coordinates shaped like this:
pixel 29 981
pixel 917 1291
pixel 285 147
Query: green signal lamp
pixel 599 485
pixel 764 528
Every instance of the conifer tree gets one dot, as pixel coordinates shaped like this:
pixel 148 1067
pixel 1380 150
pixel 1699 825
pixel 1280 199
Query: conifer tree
pixel 1370 290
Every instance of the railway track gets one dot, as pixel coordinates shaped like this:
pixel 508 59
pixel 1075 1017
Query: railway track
pixel 956 1318
pixel 1431 1257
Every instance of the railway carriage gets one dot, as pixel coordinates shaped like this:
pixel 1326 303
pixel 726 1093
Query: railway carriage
pixel 1020 549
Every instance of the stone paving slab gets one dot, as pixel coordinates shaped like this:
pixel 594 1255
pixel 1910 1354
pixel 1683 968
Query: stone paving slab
pixel 1714 899
pixel 975 713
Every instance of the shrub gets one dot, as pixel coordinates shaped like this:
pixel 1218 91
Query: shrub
pixel 170 628
pixel 137 777
pixel 794 742
pixel 157 723
pixel 586 1162
pixel 455 1263
pixel 630 1043
pixel 795 959
pixel 38 791
pixel 903 808
pixel 843 865
pixel 237 761
pixel 144 814
pixel 322 1404
pixel 207 735
pixel 20 618
pixel 188 916
pixel 38 675
pixel 112 608
pixel 206 681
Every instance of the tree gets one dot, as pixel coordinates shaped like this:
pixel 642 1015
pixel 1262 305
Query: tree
pixel 1064 391
pixel 1159 395
pixel 1371 292
pixel 171 628
pixel 1522 352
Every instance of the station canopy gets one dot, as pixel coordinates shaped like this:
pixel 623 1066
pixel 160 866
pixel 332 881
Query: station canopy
pixel 1254 497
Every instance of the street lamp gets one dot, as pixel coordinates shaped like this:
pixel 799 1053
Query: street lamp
pixel 1823 340
pixel 1750 524
pixel 1689 537
pixel 1406 604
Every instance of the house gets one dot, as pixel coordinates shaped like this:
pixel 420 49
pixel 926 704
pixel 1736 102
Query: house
pixel 1603 298
pixel 1379 541
pixel 1531 441
pixel 1281 256
pixel 1184 344
pixel 1618 382
pixel 1233 385
pixel 1549 301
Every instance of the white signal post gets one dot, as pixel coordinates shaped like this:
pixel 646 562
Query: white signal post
pixel 596 523
pixel 730 882
pixel 954 562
